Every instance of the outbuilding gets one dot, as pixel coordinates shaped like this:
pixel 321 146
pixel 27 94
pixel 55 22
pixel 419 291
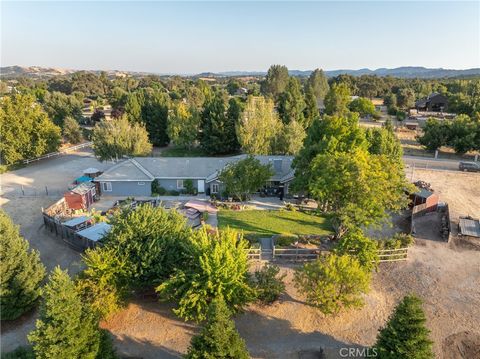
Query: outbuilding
pixel 425 197
pixel 90 236
pixel 81 197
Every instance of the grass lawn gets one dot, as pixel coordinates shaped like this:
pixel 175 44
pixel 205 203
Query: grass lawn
pixel 258 223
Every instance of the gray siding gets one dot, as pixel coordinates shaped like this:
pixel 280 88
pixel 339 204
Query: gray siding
pixel 171 184
pixel 128 188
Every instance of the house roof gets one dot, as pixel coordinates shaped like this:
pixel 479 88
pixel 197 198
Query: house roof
pixel 129 170
pixel 96 232
pixel 148 168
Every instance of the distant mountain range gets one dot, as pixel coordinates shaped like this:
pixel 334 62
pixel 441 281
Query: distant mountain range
pixel 402 72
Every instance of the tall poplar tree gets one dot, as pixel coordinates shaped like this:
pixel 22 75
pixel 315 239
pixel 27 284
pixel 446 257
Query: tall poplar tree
pixel 291 103
pixel 319 83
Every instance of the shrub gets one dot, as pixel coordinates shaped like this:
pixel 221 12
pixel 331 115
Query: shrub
pixel 103 283
pixel 155 186
pixel 290 207
pixel 188 184
pixel 21 271
pixel 218 338
pixel 20 353
pixel 405 335
pixel 268 284
pixel 173 193
pixel 355 243
pixel 219 268
pixel 400 115
pixel 285 241
pixel 332 282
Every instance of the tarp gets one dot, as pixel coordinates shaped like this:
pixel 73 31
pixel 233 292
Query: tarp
pixel 82 179
pixel 201 206
pixel 91 171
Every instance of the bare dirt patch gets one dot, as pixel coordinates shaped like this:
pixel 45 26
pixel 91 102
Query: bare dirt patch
pixel 459 189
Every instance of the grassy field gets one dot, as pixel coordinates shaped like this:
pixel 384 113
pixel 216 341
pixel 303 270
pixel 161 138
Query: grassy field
pixel 258 223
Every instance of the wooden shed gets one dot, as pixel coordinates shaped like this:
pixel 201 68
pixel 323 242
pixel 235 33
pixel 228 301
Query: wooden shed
pixel 424 196
pixel 81 197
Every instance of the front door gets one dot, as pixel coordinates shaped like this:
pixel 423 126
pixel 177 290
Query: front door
pixel 201 186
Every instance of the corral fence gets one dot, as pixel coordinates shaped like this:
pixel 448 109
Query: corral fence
pixel 442 211
pixel 52 220
pixel 53 154
pixel 311 254
pixel 29 191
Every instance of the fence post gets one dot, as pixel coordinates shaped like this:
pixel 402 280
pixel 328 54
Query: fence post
pixel 46 190
pixel 23 191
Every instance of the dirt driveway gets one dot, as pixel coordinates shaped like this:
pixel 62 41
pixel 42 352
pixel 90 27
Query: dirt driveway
pixel 56 174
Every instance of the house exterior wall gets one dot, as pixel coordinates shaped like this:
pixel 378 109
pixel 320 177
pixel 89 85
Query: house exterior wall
pixel 171 184
pixel 128 188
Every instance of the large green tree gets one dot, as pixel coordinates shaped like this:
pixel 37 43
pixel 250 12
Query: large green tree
pixel 289 140
pixel 333 282
pixel 291 103
pixel 259 126
pixel 405 334
pixel 319 83
pixel 435 134
pixel 382 141
pixel 363 106
pixel 337 100
pixel 311 112
pixel 356 244
pixel 154 115
pixel 357 188
pixel 217 134
pixel 21 271
pixel 219 337
pixel 66 328
pixel 26 130
pixel 183 125
pixel 219 268
pixel 276 81
pixel 244 177
pixel 327 135
pixel 116 139
pixel 60 106
pixel 72 130
pixel 153 242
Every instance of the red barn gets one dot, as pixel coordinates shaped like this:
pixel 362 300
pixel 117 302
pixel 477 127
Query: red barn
pixel 81 197
pixel 426 197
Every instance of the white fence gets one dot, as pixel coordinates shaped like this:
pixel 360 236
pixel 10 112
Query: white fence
pixel 53 154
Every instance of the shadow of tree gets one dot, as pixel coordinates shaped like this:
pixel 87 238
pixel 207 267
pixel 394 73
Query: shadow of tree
pixel 270 337
pixel 132 348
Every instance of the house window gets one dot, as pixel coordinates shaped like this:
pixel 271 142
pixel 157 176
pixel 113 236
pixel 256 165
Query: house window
pixel 107 186
pixel 180 184
pixel 214 187
pixel 141 183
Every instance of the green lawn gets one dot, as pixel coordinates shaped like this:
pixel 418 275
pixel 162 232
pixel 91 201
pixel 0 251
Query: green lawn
pixel 258 223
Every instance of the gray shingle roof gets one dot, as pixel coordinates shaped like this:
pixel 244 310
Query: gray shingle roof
pixel 148 168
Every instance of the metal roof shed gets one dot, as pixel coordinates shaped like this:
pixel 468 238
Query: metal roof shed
pixel 96 232
pixel 77 221
pixel 469 227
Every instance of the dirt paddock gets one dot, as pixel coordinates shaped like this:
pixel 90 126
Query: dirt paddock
pixel 445 276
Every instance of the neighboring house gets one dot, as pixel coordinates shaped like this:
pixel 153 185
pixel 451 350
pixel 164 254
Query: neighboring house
pixel 435 102
pixel 134 177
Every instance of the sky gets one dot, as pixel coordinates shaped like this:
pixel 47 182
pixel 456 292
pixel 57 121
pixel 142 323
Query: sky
pixel 194 37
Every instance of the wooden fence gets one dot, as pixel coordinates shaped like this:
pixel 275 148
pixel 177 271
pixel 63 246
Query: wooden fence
pixel 53 154
pixel 311 254
pixel 393 255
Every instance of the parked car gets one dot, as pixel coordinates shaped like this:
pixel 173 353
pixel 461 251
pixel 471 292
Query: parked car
pixel 469 166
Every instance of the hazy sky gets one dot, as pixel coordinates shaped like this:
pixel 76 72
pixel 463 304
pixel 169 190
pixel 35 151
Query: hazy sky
pixel 192 37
